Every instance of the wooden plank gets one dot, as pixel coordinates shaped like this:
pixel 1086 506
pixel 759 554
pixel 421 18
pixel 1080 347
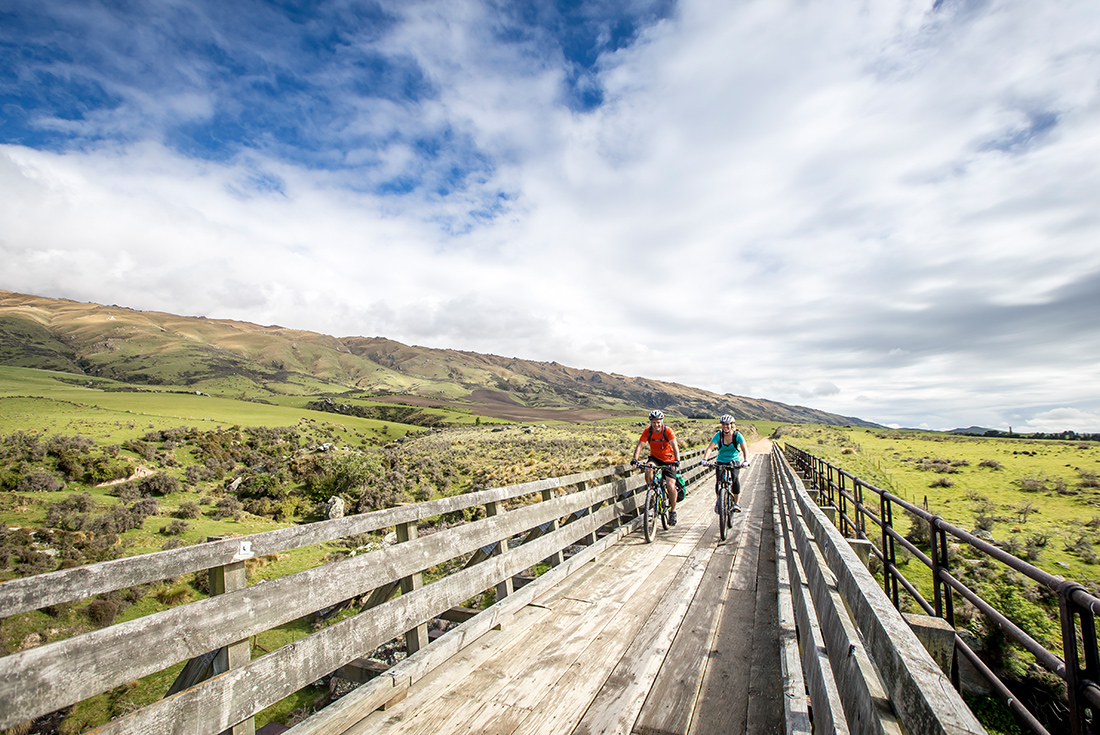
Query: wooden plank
pixel 672 705
pixel 239 693
pixel 765 695
pixel 436 683
pixel 866 703
pixel 56 675
pixel 520 682
pixel 671 700
pixel 360 703
pixel 561 709
pixel 795 703
pixel 66 585
pixel 616 706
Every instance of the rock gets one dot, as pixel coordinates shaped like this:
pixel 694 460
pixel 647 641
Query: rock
pixel 334 508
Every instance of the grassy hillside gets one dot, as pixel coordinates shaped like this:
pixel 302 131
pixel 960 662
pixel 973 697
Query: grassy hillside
pixel 235 359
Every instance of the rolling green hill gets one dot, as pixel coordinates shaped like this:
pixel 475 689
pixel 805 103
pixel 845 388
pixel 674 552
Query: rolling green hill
pixel 233 359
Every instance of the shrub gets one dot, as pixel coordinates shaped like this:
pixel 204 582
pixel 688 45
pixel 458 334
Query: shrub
pixel 144 508
pixel 1032 483
pixel 188 509
pixel 159 484
pixel 127 492
pixel 175 528
pixel 226 508
pixel 30 562
pixel 991 464
pixel 195 473
pixel 263 486
pixel 102 612
pixel 39 481
pixel 105 468
pixel 941 482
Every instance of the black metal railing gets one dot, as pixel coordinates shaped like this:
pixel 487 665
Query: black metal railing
pixel 1078 608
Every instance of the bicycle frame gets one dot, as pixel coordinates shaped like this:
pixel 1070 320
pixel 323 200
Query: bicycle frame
pixel 656 503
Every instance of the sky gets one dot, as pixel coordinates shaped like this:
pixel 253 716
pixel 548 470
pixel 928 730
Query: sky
pixel 880 208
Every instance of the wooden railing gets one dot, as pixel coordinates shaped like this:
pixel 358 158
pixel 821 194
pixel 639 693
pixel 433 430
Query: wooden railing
pixel 854 503
pixel 222 687
pixel 864 668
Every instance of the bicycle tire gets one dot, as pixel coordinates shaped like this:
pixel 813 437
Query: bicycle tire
pixel 663 505
pixel 723 510
pixel 649 514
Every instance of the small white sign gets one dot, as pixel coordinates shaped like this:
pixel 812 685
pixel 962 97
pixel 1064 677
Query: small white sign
pixel 244 552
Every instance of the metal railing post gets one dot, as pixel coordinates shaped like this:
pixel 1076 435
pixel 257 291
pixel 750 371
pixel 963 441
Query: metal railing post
pixel 889 554
pixel 1076 645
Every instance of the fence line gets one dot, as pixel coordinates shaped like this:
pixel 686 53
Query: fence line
pixel 221 686
pixel 844 492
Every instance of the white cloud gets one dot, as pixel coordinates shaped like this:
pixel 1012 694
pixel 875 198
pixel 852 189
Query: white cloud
pixel 880 210
pixel 1063 419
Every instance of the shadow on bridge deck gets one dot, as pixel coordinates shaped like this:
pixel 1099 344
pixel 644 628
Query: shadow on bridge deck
pixel 677 636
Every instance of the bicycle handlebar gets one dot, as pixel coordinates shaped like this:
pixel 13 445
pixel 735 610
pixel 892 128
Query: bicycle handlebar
pixel 712 463
pixel 651 466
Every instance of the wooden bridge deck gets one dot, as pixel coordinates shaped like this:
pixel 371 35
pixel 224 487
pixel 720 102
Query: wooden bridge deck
pixel 677 636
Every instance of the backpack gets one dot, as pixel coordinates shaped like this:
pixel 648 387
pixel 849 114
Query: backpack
pixel 681 487
pixel 664 434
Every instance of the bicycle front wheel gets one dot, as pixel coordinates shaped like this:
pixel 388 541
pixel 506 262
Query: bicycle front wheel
pixel 723 511
pixel 649 514
pixel 663 505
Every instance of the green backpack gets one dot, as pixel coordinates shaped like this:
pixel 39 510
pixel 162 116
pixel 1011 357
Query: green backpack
pixel 681 487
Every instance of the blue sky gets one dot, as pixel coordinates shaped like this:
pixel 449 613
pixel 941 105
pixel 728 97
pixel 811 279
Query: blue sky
pixel 886 210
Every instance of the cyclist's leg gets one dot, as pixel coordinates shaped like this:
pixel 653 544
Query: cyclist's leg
pixel 718 470
pixel 670 487
pixel 735 484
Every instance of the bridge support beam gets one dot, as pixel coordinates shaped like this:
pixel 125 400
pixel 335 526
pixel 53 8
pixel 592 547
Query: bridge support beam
pixel 862 547
pixel 937 636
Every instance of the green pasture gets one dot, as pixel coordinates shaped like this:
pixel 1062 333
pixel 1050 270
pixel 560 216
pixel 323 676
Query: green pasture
pixel 1042 492
pixel 39 400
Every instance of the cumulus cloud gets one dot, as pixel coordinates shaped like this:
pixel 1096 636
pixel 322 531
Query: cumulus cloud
pixel 882 210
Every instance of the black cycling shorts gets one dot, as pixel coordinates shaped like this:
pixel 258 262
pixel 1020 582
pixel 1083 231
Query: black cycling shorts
pixel 667 470
pixel 735 481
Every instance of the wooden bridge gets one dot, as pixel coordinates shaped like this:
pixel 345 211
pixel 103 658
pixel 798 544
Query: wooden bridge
pixel 684 635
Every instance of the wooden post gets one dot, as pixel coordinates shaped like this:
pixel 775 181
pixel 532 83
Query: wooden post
pixel 229 578
pixel 589 539
pixel 556 558
pixel 417 638
pixel 504 588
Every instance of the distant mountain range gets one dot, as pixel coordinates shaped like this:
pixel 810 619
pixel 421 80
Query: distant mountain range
pixel 239 359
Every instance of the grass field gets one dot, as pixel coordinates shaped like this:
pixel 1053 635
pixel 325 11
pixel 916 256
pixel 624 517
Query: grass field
pixel 1017 489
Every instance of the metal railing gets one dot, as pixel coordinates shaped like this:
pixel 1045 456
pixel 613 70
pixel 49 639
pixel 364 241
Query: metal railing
pixel 1081 669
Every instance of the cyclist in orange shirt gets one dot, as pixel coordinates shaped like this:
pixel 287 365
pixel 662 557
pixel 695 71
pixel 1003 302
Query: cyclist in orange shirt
pixel 664 451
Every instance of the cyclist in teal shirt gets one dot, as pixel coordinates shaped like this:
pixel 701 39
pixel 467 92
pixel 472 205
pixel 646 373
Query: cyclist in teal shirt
pixel 731 451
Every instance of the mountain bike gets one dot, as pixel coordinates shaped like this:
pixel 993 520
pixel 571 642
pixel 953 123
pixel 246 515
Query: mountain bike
pixel 656 502
pixel 726 506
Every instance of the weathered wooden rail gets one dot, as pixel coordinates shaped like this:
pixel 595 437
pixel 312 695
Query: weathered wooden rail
pixel 844 642
pixel 223 686
pixel 854 503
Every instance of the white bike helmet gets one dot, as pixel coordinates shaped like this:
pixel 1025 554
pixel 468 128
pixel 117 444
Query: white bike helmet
pixel 727 419
pixel 656 414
